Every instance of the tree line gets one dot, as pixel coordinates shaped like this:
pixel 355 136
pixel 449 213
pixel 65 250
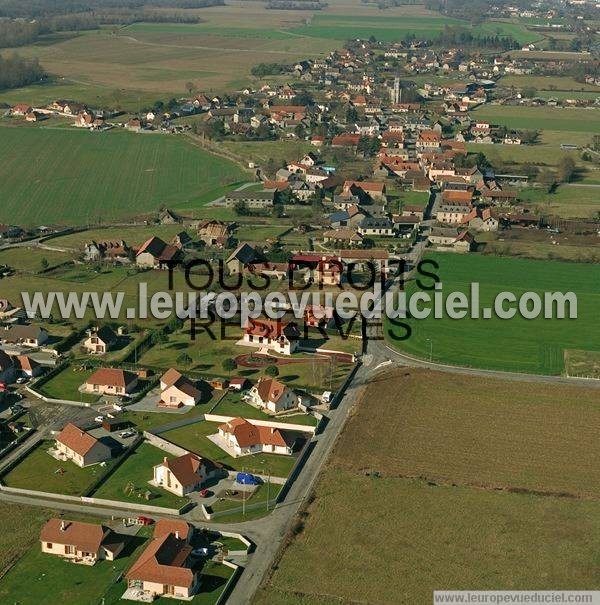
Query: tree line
pixel 16 71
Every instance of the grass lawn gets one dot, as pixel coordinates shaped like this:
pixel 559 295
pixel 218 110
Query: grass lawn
pixel 135 473
pixel 261 495
pixel 38 471
pixel 566 202
pixel 65 385
pixel 29 260
pixel 42 578
pixel 231 543
pixel 194 438
pixel 454 433
pixel 520 345
pixel 232 405
pixel 82 177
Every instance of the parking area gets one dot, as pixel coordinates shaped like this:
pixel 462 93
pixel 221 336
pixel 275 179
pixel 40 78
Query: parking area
pixel 105 436
pixel 149 403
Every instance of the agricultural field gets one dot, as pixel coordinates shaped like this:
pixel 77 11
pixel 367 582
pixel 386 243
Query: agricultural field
pixel 82 177
pixel 533 346
pixel 548 84
pixel 483 538
pixel 566 120
pixel 567 201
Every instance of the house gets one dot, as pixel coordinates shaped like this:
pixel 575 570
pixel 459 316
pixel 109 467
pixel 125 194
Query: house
pixel 181 240
pixel 75 444
pixel 279 336
pixel 410 210
pixel 481 219
pixel 184 474
pixel 448 238
pixel 164 569
pixel 80 542
pixel 253 199
pixel 177 390
pixel 381 227
pixel 243 256
pixel 156 254
pixel 272 395
pixel 362 258
pixel 99 340
pixel 238 383
pixel 452 215
pixel 26 336
pixel 342 236
pixel 245 438
pixel 214 232
pixel 322 269
pixel 110 250
pixel 375 191
pixel 10 231
pixel 318 316
pixel 21 109
pixel 111 381
pixel 27 366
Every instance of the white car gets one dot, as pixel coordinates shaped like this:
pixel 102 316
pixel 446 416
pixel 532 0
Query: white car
pixel 127 433
pixel 200 552
pixel 99 418
pixel 22 380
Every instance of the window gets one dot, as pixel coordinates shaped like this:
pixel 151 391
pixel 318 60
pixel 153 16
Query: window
pixel 48 544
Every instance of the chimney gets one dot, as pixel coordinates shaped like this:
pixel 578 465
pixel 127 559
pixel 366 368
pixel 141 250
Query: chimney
pixel 177 534
pixel 272 430
pixel 165 460
pixel 63 526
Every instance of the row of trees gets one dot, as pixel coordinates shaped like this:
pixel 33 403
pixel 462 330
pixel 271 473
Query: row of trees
pixel 16 71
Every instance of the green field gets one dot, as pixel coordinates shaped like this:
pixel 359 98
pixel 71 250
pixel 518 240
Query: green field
pixel 390 29
pixel 135 473
pixel 194 438
pixel 535 118
pixel 41 472
pixel 519 345
pixel 82 177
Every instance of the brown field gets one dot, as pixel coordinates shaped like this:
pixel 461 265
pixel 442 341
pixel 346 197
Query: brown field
pixel 396 537
pixel 488 433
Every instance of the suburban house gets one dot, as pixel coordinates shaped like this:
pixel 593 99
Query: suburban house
pixel 111 381
pixel 273 396
pixel 79 542
pixel 99 340
pixel 281 337
pixel 75 444
pixel 164 569
pixel 26 336
pixel 252 199
pixel 322 269
pixel 184 474
pixel 246 438
pixel 176 390
pixel 156 254
pixel 27 366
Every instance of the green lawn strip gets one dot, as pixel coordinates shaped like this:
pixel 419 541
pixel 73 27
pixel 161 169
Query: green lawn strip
pixel 232 405
pixel 65 385
pixel 42 578
pixel 518 344
pixel 135 473
pixel 230 543
pixel 194 438
pixel 267 491
pixel 41 472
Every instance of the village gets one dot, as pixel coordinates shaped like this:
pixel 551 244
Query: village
pixel 382 158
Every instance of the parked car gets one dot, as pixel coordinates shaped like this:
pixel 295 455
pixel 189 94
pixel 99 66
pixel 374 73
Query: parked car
pixel 247 479
pixel 127 433
pixel 98 418
pixel 145 520
pixel 204 493
pixel 22 380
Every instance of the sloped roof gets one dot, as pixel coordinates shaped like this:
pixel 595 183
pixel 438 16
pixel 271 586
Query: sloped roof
pixel 248 434
pixel 87 537
pixel 76 439
pixel 113 377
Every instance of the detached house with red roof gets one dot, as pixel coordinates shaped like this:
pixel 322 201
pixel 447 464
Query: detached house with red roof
pixel 279 336
pixel 177 390
pixel 111 381
pixel 245 438
pixel 84 543
pixel 272 396
pixel 75 444
pixel 184 474
pixel 164 569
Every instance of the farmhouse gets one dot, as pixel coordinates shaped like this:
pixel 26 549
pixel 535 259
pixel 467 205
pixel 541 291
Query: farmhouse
pixel 246 438
pixel 481 219
pixel 375 191
pixel 459 241
pixel 177 390
pixel 156 254
pixel 281 337
pixel 99 340
pixel 272 395
pixel 75 444
pixel 79 542
pixel 26 336
pixel 243 256
pixel 184 474
pixel 214 232
pixel 382 227
pixel 453 215
pixel 253 199
pixel 115 250
pixel 111 381
pixel 164 569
